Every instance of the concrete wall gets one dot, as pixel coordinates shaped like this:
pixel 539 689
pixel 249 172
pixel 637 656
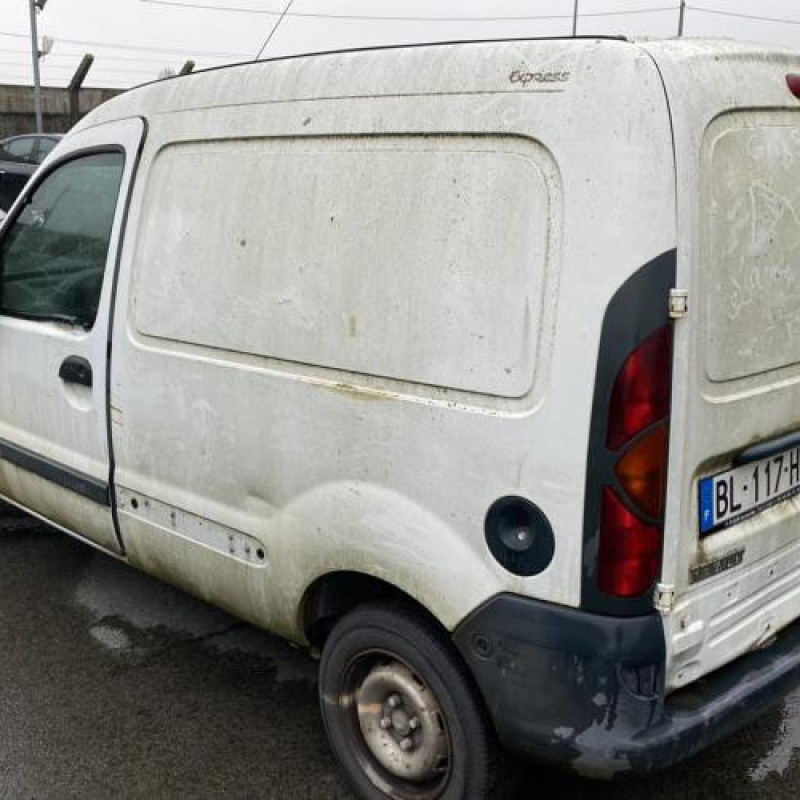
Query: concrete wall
pixel 17 111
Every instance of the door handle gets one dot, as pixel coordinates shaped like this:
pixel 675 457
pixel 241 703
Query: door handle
pixel 76 369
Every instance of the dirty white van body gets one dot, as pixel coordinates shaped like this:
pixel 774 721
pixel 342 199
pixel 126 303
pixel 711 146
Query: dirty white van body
pixel 418 325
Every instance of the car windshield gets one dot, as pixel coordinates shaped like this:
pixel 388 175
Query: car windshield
pixel 19 149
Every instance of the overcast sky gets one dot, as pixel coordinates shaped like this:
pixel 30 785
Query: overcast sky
pixel 133 40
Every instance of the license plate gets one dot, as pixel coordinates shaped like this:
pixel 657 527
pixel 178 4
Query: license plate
pixel 739 493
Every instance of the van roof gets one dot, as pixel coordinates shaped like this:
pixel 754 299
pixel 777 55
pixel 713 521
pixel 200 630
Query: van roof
pixel 435 67
pixel 387 47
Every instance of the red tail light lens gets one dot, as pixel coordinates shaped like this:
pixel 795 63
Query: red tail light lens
pixel 640 395
pixel 630 543
pixel 794 85
pixel 642 471
pixel 630 551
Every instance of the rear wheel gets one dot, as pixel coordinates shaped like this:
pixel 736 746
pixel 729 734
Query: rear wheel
pixel 401 713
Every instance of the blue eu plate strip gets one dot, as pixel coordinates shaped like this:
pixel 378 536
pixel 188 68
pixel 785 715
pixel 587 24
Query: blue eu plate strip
pixel 706 504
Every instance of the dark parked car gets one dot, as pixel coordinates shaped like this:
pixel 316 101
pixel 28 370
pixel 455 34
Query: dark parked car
pixel 19 157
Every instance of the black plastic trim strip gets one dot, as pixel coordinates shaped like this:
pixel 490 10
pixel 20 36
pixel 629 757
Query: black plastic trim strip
pixel 93 489
pixel 766 449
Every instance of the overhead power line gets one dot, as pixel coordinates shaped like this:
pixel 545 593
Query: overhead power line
pixel 16 64
pixel 136 47
pixel 78 54
pixel 389 18
pixel 738 15
pixel 274 29
pixel 144 49
pixel 71 69
pixel 12 50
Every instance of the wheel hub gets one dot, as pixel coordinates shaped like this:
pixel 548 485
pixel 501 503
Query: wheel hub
pixel 402 723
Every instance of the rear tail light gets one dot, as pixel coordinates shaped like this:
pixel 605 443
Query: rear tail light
pixel 631 522
pixel 641 391
pixel 630 550
pixel 794 85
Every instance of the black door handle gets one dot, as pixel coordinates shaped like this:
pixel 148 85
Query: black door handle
pixel 76 369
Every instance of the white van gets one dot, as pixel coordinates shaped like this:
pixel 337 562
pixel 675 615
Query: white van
pixel 474 367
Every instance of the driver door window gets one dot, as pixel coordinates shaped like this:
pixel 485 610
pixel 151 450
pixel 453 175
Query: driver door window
pixel 53 257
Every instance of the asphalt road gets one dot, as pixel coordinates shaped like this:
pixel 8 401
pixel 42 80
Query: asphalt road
pixel 115 685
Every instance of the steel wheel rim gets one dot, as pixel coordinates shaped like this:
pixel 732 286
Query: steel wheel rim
pixel 381 696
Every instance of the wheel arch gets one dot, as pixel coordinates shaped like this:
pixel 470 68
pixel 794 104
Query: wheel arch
pixel 374 542
pixel 333 594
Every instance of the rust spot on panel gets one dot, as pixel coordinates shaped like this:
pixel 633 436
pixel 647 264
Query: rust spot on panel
pixel 360 392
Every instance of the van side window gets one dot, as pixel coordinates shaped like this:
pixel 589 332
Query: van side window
pixel 53 258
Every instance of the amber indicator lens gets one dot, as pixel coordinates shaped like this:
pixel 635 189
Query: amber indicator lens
pixel 641 471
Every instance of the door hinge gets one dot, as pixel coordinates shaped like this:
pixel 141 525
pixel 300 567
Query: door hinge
pixel 678 303
pixel 665 597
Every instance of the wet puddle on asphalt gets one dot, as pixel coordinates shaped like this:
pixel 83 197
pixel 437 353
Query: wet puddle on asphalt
pixel 132 613
pixel 787 742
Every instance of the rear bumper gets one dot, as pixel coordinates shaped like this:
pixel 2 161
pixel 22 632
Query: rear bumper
pixel 587 691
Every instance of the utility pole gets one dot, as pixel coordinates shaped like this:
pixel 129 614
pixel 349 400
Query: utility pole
pixel 575 20
pixel 37 88
pixel 681 18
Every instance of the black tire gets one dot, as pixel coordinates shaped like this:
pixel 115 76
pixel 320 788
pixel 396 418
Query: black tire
pixel 365 652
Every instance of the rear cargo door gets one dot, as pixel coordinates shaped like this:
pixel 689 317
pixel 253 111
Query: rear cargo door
pixel 732 538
